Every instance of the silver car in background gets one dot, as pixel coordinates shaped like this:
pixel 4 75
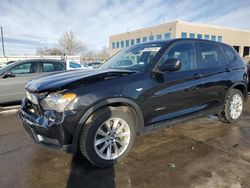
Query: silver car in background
pixel 15 76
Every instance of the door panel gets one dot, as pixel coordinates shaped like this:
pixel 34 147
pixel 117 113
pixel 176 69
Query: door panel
pixel 216 75
pixel 13 88
pixel 175 94
pixel 178 95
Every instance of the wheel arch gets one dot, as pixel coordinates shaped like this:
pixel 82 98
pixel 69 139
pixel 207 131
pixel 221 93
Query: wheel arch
pixel 112 102
pixel 240 86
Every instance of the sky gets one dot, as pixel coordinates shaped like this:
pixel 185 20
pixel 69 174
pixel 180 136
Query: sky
pixel 29 24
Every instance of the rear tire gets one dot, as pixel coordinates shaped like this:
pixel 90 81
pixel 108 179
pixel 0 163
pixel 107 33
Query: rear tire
pixel 233 108
pixel 107 137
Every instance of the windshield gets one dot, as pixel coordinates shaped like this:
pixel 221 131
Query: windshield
pixel 133 58
pixel 2 66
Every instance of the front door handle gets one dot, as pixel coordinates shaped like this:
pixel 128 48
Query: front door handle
pixel 198 76
pixel 228 69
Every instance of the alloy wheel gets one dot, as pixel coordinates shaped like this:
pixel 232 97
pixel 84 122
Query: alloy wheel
pixel 112 138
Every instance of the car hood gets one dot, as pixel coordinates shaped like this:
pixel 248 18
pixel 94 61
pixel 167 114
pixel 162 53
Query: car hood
pixel 71 79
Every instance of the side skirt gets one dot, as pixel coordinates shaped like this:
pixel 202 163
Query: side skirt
pixel 177 121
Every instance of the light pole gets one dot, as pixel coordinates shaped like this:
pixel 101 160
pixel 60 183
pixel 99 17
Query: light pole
pixel 2 41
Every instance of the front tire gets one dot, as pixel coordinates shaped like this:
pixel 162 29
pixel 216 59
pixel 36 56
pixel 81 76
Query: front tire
pixel 108 136
pixel 233 108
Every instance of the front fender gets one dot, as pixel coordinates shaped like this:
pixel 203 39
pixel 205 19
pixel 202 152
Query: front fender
pixel 103 103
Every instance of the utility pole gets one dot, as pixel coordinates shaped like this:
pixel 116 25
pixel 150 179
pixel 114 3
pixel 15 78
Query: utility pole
pixel 2 41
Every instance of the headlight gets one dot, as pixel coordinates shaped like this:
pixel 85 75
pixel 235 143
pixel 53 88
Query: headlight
pixel 57 101
pixel 32 97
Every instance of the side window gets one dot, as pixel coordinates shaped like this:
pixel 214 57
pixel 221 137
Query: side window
pixel 211 55
pixel 48 67
pixel 59 66
pixel 230 55
pixel 186 53
pixel 25 68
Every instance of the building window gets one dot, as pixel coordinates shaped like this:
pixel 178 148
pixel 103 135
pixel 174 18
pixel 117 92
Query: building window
pixel 199 36
pixel 191 35
pixel 213 38
pixel 159 37
pixel 127 43
pixel 144 39
pixel 138 40
pixel 206 37
pixel 117 44
pixel 151 37
pixel 113 45
pixel 183 35
pixel 219 38
pixel 122 44
pixel 132 41
pixel 167 36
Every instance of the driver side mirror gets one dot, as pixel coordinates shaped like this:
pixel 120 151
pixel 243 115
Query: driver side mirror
pixel 171 65
pixel 7 74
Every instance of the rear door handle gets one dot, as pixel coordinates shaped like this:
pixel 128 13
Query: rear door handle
pixel 198 76
pixel 228 69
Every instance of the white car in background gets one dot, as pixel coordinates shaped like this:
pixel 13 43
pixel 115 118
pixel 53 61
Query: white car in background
pixel 71 65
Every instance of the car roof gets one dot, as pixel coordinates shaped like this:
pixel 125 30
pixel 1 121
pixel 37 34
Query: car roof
pixel 44 60
pixel 11 65
pixel 170 41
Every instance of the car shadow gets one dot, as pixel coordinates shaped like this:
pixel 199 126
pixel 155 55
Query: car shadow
pixel 84 174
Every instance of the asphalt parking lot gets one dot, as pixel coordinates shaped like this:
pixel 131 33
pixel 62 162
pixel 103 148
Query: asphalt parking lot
pixel 201 153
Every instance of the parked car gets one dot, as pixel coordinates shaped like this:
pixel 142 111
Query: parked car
pixel 92 65
pixel 15 76
pixel 142 88
pixel 72 65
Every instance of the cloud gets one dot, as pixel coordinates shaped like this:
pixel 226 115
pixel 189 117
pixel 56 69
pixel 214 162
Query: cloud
pixel 31 24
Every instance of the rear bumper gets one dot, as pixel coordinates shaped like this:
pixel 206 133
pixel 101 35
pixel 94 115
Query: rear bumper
pixel 56 135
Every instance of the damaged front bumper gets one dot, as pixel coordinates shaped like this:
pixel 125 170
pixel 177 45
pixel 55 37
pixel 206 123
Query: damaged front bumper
pixel 49 128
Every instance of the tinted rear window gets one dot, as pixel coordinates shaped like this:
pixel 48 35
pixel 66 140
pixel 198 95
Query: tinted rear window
pixel 211 55
pixel 48 67
pixel 230 55
pixel 53 66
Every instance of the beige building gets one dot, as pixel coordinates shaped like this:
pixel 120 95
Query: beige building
pixel 238 38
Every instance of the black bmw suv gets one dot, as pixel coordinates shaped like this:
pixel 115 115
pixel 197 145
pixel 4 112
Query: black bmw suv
pixel 140 89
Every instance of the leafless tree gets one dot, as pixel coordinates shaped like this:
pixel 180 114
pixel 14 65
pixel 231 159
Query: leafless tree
pixel 69 44
pixel 104 53
pixel 48 51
